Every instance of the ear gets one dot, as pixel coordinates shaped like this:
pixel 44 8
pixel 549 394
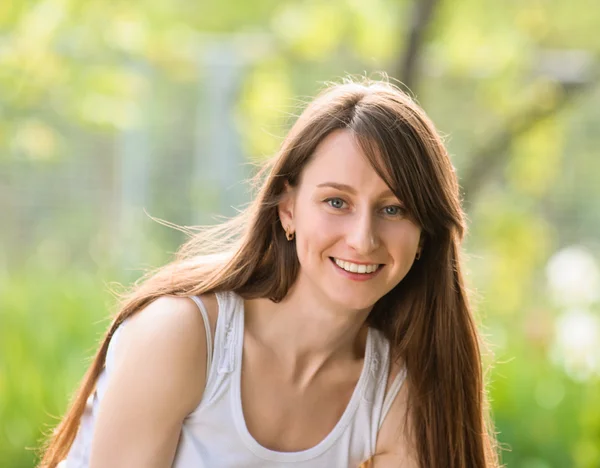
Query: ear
pixel 286 207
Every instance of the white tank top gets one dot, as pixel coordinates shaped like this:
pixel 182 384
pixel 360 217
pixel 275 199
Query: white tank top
pixel 215 435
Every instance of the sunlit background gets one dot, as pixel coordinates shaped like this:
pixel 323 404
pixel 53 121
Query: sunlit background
pixel 115 111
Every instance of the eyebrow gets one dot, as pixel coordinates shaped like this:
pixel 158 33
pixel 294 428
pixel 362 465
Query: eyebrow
pixel 350 189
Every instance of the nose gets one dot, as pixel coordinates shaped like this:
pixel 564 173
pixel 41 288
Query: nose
pixel 362 234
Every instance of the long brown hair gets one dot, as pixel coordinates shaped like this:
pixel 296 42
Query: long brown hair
pixel 426 316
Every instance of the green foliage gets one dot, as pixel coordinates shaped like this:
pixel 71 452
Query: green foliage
pixel 50 324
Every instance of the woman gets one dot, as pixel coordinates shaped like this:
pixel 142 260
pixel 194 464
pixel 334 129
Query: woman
pixel 326 326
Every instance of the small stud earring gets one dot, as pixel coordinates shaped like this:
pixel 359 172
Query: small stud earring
pixel 289 234
pixel 418 256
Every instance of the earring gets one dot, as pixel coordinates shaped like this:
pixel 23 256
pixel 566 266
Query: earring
pixel 289 234
pixel 418 256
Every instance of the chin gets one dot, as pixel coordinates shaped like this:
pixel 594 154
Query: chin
pixel 355 302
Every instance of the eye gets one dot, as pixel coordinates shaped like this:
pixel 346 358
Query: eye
pixel 394 210
pixel 335 202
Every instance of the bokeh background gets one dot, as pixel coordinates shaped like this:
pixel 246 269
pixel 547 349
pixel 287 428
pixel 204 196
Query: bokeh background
pixel 113 112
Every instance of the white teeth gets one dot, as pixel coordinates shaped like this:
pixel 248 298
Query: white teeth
pixel 355 268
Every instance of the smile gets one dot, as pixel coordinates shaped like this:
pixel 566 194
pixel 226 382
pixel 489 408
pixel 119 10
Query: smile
pixel 356 267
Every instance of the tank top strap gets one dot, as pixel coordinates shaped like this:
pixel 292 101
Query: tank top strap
pixel 209 345
pixel 382 399
pixel 375 396
pixel 391 394
pixel 378 367
pixel 226 336
pixel 231 304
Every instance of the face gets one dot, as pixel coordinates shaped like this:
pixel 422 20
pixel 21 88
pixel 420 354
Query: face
pixel 354 239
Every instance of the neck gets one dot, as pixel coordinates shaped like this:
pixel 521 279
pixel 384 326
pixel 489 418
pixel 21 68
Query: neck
pixel 306 333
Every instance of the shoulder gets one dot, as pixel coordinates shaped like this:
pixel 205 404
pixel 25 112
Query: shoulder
pixel 156 378
pixel 167 340
pixel 395 444
pixel 170 320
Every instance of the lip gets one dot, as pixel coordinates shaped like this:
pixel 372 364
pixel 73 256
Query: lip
pixel 356 276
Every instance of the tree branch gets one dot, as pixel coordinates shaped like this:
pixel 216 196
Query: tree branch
pixel 407 68
pixel 494 154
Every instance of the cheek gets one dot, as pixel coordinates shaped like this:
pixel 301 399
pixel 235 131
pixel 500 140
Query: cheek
pixel 317 231
pixel 405 242
pixel 313 220
pixel 413 239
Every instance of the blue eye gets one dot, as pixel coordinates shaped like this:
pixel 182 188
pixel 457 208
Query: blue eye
pixel 394 210
pixel 336 203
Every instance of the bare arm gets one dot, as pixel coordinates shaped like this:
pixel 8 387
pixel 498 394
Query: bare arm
pixel 158 379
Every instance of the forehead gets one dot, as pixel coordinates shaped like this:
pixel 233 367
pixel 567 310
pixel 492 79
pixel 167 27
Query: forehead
pixel 339 158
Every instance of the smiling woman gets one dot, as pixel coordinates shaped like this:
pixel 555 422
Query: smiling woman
pixel 347 219
pixel 326 326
